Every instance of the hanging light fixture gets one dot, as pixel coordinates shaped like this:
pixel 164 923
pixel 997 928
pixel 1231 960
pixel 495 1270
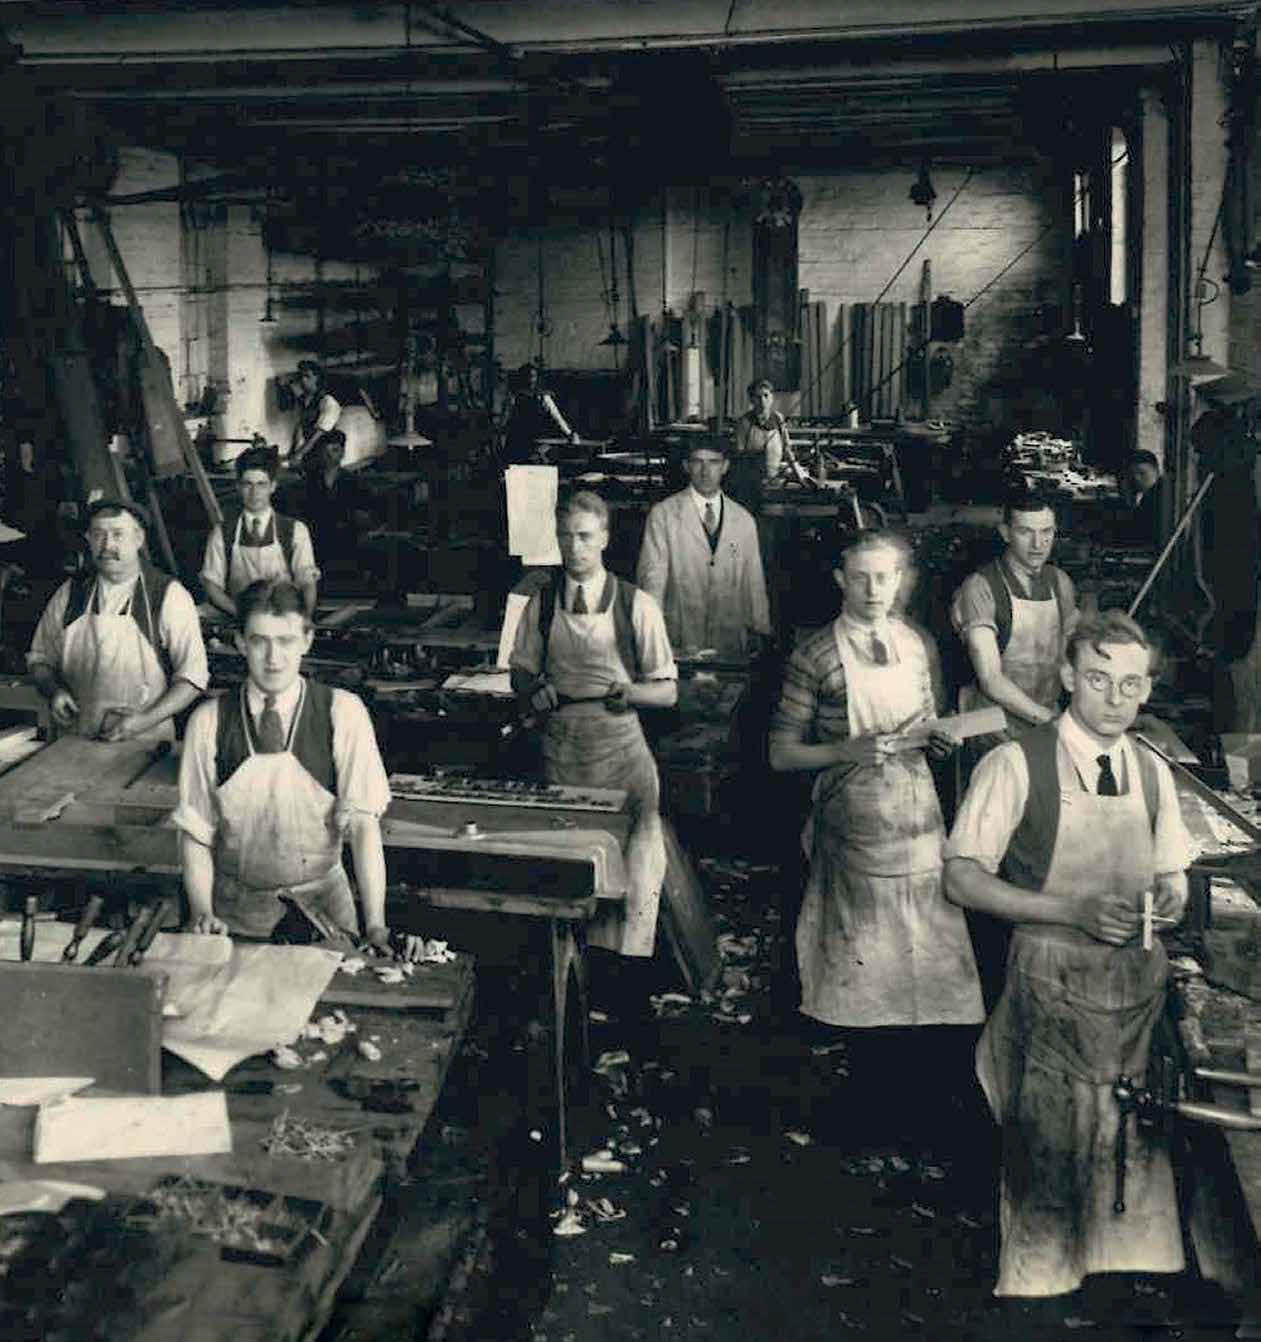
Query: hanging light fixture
pixel 268 317
pixel 922 191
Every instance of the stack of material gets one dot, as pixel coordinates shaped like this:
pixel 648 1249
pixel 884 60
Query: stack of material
pixel 877 358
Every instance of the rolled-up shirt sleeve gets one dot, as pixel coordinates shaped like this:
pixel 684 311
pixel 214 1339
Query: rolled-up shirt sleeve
pixel 1172 844
pixel 330 413
pixel 652 642
pixel 197 814
pixel 179 629
pixel 363 787
pixel 527 646
pixel 49 641
pixel 973 606
pixel 304 566
pixel 214 564
pixel 992 808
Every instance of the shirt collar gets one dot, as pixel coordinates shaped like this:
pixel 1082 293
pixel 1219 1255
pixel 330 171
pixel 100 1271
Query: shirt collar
pixel 285 703
pixel 1084 751
pixel 702 502
pixel 863 633
pixel 592 589
pixel 248 519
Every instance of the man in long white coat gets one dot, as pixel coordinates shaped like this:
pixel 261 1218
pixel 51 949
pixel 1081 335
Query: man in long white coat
pixel 701 560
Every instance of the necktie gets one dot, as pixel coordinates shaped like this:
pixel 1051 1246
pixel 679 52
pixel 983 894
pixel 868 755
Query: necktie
pixel 580 602
pixel 271 735
pixel 879 653
pixel 1107 779
pixel 258 531
pixel 711 519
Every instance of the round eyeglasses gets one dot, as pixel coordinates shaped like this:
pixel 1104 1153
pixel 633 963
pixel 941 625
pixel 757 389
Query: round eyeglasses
pixel 1102 683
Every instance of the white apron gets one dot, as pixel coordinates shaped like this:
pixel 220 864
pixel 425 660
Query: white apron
pixel 252 562
pixel 1031 660
pixel 877 941
pixel 279 833
pixel 587 746
pixel 107 662
pixel 1075 1014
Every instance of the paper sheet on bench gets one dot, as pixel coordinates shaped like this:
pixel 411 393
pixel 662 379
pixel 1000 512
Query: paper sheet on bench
pixel 226 1001
pixel 532 492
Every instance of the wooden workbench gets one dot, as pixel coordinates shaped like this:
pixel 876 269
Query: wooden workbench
pixel 210 1300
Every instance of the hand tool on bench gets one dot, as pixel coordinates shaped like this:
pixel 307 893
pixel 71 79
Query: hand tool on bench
pixel 104 948
pixel 27 940
pixel 152 921
pixel 91 912
pixel 334 937
pixel 131 939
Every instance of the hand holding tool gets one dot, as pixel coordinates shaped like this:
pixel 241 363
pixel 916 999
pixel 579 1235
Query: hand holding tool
pixel 91 912
pixel 29 909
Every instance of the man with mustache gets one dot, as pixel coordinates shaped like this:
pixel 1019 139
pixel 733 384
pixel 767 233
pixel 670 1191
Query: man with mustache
pixel 118 650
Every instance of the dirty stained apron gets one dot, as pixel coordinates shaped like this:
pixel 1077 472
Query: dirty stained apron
pixel 585 745
pixel 107 662
pixel 280 832
pixel 1031 661
pixel 877 941
pixel 252 562
pixel 1075 1014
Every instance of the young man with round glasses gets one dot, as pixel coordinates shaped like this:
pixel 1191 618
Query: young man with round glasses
pixel 1061 834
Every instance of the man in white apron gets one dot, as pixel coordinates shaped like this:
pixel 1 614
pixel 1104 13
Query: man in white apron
pixel 604 654
pixel 1014 616
pixel 118 650
pixel 275 778
pixel 255 541
pixel 701 560
pixel 879 948
pixel 1061 833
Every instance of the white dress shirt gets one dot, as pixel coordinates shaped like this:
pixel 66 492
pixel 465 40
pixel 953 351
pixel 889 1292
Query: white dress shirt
pixel 592 591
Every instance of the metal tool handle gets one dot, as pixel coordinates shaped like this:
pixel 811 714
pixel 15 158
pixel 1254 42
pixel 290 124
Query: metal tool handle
pixel 91 912
pixel 1240 1120
pixel 152 927
pixel 129 941
pixel 1225 1077
pixel 29 909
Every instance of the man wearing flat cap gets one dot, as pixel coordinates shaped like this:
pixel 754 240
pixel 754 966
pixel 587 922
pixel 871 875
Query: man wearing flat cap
pixel 700 558
pixel 118 650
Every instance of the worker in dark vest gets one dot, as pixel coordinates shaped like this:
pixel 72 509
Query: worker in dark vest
pixel 532 414
pixel 701 559
pixel 275 778
pixel 1061 834
pixel 590 650
pixel 318 411
pixel 1014 616
pixel 255 541
pixel 118 650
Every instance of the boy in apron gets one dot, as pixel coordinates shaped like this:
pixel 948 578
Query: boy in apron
pixel 275 778
pixel 1060 834
pixel 255 542
pixel 1014 617
pixel 118 650
pixel 880 951
pixel 605 654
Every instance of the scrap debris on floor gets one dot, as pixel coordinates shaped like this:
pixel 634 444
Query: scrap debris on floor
pixel 713 1200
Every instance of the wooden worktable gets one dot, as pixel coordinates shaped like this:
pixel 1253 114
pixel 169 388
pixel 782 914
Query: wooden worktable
pixel 210 1300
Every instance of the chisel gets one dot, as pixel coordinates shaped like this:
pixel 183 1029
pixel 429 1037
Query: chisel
pixel 91 912
pixel 152 926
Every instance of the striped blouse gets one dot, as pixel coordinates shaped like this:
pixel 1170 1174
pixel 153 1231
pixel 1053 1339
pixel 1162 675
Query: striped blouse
pixel 813 706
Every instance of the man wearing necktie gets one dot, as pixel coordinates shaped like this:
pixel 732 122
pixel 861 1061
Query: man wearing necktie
pixel 275 778
pixel 255 541
pixel 1061 834
pixel 590 651
pixel 701 559
pixel 879 948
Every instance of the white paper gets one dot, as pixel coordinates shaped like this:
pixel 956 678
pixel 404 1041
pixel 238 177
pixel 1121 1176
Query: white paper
pixel 480 682
pixel 517 602
pixel 43 1195
pixel 25 1090
pixel 226 1002
pixel 532 493
pixel 131 1126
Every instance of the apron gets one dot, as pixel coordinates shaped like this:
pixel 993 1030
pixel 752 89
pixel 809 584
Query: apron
pixel 278 834
pixel 877 941
pixel 107 662
pixel 252 562
pixel 1074 1015
pixel 1031 661
pixel 584 745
